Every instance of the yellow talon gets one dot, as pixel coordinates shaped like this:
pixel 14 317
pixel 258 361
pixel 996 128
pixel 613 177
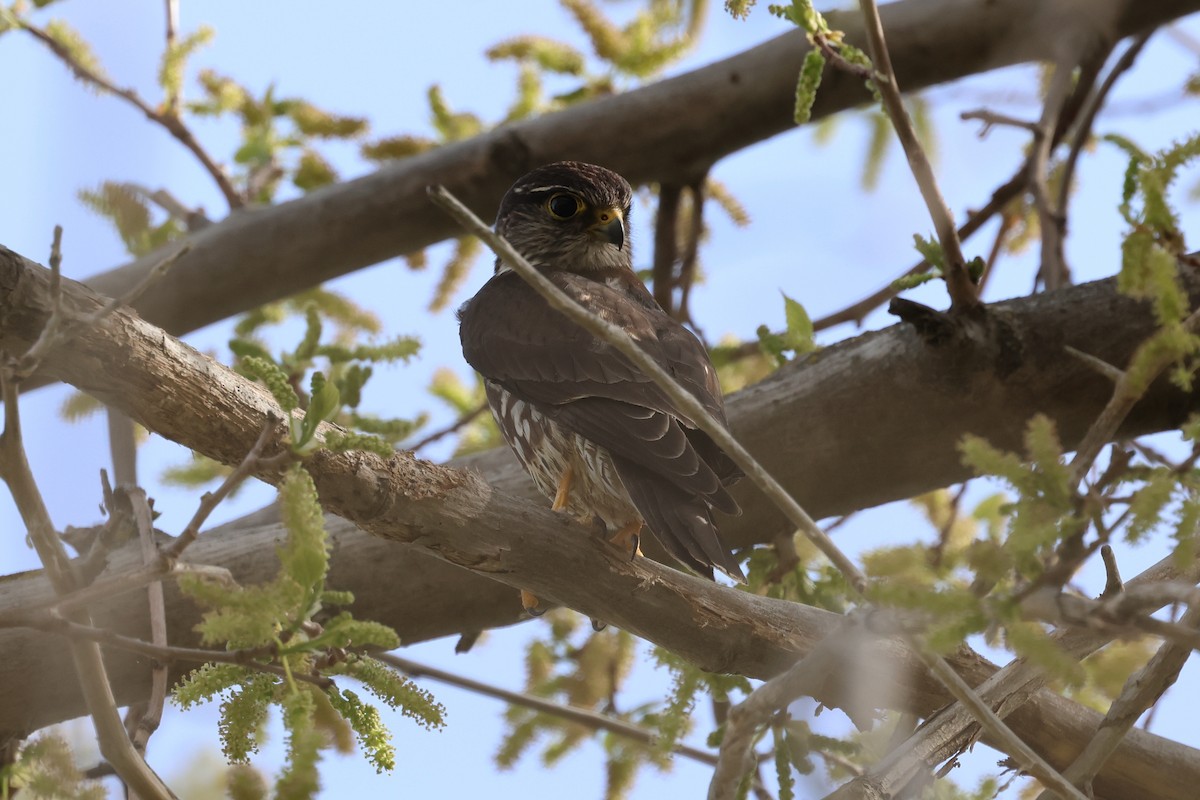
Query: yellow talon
pixel 531 604
pixel 627 538
pixel 564 489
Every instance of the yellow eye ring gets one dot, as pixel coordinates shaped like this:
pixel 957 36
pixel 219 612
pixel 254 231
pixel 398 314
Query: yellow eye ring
pixel 564 206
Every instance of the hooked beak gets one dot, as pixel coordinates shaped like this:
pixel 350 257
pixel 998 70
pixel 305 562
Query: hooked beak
pixel 609 225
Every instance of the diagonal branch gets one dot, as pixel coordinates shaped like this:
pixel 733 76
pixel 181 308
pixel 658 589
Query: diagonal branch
pixel 168 119
pixel 582 716
pixel 1141 691
pixel 699 118
pixel 963 294
pixel 454 517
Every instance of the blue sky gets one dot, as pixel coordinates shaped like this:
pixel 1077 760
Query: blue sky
pixel 815 235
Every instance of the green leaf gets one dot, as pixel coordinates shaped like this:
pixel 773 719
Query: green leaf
pixel 394 148
pixel 79 406
pixel 913 281
pixel 313 121
pixel 397 691
pixel 930 250
pixel 799 335
pixel 299 778
pixel 304 557
pixel 323 403
pixel 206 682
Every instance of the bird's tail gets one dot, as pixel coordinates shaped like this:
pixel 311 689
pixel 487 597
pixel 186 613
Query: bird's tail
pixel 680 521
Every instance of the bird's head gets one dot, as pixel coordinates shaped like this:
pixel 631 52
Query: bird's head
pixel 569 215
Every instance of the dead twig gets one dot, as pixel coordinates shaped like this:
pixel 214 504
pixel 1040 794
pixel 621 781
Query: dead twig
pixel 963 294
pixel 454 427
pixel 60 329
pixel 149 714
pixel 168 118
pixel 249 658
pixel 248 466
pixel 89 665
pixel 581 716
pixel 1141 691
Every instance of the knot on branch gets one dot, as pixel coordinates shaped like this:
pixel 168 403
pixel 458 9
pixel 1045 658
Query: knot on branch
pixel 934 327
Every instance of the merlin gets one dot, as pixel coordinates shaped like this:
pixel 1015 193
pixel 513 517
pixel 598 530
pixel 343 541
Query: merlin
pixel 597 435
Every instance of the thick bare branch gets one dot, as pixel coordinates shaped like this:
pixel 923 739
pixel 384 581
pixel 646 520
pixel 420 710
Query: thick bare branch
pixel 698 118
pixel 458 519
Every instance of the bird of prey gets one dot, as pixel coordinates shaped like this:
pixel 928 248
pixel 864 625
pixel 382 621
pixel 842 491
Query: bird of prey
pixel 594 433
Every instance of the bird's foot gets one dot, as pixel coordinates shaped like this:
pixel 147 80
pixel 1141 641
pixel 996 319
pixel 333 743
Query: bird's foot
pixel 533 607
pixel 628 539
pixel 564 489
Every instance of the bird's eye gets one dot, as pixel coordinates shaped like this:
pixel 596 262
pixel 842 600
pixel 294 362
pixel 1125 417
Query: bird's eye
pixel 564 206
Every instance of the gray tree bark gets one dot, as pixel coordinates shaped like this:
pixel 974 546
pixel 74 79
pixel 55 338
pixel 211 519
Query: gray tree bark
pixel 456 517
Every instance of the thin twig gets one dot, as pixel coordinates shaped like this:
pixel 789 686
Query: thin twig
pixel 249 658
pixel 194 219
pixel 1141 691
pixel 991 119
pixel 683 399
pixel 167 119
pixel 454 427
pixel 1087 120
pixel 582 716
pixel 963 295
pixel 1054 270
pixel 56 272
pixel 1098 365
pixel 1029 760
pixel 122 443
pixel 172 23
pixel 691 251
pixel 666 245
pixel 89 663
pixel 1113 585
pixel 1124 397
pixel 151 715
pixel 59 329
pixel 248 466
pixel 102 590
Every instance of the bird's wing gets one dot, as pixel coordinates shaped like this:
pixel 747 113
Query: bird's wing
pixel 511 336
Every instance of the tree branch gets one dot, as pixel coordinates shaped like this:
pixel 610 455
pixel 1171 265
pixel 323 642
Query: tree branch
pixel 581 716
pixel 1141 691
pixel 963 294
pixel 455 517
pixel 699 118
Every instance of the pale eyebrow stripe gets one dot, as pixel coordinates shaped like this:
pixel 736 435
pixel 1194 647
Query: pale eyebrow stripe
pixel 535 189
